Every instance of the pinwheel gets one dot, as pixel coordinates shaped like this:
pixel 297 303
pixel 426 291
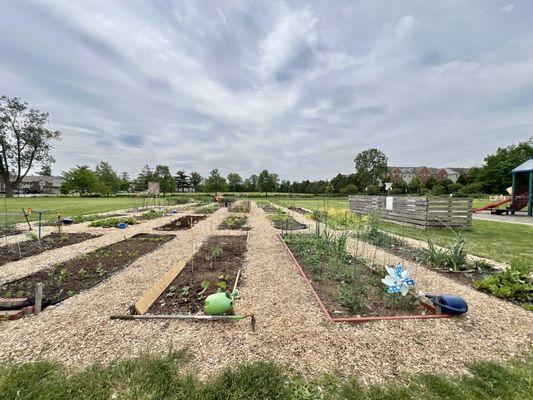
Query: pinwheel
pixel 398 280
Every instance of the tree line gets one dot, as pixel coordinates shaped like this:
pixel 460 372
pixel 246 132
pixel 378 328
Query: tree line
pixel 26 143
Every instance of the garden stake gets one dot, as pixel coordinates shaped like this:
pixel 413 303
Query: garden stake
pixel 25 216
pixel 38 299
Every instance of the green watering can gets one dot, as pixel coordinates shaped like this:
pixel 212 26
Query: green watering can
pixel 221 302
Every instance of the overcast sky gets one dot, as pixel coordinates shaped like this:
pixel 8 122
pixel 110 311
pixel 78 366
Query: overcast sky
pixel 297 87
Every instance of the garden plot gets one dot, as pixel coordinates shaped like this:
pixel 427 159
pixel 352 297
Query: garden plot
pixel 29 248
pixel 344 285
pixel 213 268
pixel 300 210
pixel 234 222
pixel 69 278
pixel 185 222
pixel 282 220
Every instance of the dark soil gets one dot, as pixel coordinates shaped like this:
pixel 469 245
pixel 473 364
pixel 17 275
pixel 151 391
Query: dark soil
pixel 208 264
pixel 374 299
pixel 233 222
pixel 64 280
pixel 270 210
pixel 9 232
pixel 30 248
pixel 186 222
pixel 299 210
pixel 286 222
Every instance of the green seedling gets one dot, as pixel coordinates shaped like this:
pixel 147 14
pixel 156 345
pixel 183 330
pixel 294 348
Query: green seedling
pixel 201 293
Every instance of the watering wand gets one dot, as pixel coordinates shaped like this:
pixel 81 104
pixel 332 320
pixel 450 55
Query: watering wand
pixel 188 317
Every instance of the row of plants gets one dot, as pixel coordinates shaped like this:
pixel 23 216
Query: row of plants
pixel 346 285
pixel 234 222
pixel 113 222
pixel 514 284
pixel 208 209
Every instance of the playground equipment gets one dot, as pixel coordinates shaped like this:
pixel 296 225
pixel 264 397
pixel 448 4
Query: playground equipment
pixel 521 192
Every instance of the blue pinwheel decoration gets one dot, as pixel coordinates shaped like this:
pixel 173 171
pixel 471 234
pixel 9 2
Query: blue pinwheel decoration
pixel 398 280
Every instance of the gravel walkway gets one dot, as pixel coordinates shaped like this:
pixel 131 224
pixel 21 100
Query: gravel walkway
pixel 291 329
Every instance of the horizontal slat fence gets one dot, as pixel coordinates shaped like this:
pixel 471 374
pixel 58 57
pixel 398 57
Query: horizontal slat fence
pixel 421 212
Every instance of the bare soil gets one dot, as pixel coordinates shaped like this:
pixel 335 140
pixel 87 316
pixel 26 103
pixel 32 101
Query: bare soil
pixel 185 222
pixel 218 259
pixel 299 210
pixel 21 250
pixel 64 280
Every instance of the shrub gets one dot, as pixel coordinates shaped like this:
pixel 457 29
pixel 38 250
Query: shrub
pixel 435 256
pixel 457 253
pixel 349 189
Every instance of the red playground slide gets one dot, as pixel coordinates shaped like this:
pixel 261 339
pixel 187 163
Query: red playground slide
pixel 493 205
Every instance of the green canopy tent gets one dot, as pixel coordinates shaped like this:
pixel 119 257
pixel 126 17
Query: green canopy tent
pixel 518 200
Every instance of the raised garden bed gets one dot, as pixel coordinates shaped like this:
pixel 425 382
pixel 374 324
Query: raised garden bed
pixel 234 222
pixel 64 280
pixel 185 222
pixel 347 289
pixel 9 232
pixel 149 215
pixel 113 222
pixel 299 210
pixel 28 248
pixel 213 268
pixel 78 219
pixel 240 207
pixel 269 209
pixel 281 220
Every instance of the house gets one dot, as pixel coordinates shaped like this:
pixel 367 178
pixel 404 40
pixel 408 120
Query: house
pixel 37 184
pixel 406 174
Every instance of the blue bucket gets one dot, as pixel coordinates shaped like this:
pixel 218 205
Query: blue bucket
pixel 449 303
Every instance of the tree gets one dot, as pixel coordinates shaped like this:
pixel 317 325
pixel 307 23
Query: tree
pixel 267 182
pixel 371 166
pixel 108 180
pixel 162 174
pixel 285 186
pixel 182 181
pixel 234 182
pixel 145 176
pixel 79 180
pixel 196 181
pixel 125 182
pixel 495 175
pixel 24 141
pixel 215 182
pixel 349 189
pixel 46 170
pixel 415 185
pixel 250 184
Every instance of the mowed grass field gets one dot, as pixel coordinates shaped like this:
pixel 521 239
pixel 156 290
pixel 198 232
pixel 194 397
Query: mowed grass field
pixel 67 206
pixel 498 241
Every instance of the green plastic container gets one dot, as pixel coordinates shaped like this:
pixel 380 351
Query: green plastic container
pixel 219 303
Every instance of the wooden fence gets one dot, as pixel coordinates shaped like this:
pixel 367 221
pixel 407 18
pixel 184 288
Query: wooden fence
pixel 421 211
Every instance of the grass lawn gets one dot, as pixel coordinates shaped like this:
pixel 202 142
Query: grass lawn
pixel 164 377
pixel 499 241
pixel 67 206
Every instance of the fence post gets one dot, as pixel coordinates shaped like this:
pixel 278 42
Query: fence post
pixel 38 299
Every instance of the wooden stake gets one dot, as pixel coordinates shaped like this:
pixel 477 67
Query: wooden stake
pixel 38 298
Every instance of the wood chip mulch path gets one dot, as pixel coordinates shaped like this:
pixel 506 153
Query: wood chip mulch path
pixel 291 328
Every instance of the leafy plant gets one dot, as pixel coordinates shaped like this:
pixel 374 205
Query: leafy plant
pixel 112 222
pixel 201 293
pixel 82 272
pixel 185 293
pixel 351 296
pixel 435 256
pixel 457 253
pixel 215 251
pixel 514 283
pixel 32 236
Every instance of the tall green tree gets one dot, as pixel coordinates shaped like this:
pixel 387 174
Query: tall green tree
pixel 234 182
pixel 79 180
pixel 182 181
pixel 46 170
pixel 371 166
pixel 196 181
pixel 495 175
pixel 125 182
pixel 162 174
pixel 267 182
pixel 108 180
pixel 250 184
pixel 24 141
pixel 145 176
pixel 215 182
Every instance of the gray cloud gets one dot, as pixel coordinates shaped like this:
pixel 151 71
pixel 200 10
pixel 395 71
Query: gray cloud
pixel 296 87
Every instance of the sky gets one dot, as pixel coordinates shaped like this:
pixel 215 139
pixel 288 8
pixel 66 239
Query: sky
pixel 296 87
